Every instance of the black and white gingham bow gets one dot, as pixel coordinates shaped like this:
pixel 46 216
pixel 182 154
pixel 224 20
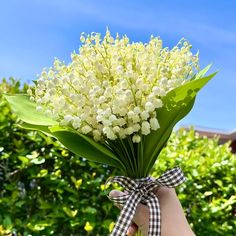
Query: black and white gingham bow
pixel 141 190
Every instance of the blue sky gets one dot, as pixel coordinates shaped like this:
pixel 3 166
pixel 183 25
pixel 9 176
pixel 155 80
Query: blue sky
pixel 32 33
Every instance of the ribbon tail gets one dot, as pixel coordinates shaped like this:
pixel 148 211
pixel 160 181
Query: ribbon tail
pixel 126 215
pixel 154 216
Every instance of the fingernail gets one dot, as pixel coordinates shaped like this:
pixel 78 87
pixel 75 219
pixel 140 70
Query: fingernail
pixel 115 193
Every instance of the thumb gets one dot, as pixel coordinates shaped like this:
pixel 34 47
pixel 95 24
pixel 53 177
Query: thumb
pixel 117 193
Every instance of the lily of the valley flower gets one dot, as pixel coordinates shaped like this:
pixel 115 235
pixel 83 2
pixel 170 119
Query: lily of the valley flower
pixel 113 88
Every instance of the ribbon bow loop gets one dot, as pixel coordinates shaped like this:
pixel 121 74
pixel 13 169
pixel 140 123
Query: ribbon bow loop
pixel 171 178
pixel 141 190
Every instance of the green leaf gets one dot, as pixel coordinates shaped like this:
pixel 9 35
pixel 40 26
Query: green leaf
pixel 38 161
pixel 177 104
pixel 156 141
pixel 85 146
pixel 24 160
pixel 187 91
pixel 201 73
pixel 70 212
pixel 90 210
pixel 7 223
pixel 26 110
pixel 41 128
pixel 39 226
pixel 42 173
pixel 76 182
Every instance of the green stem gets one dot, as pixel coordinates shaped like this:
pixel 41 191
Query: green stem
pixel 141 158
pixel 120 155
pixel 136 159
pixel 131 146
pixel 127 155
pixel 139 233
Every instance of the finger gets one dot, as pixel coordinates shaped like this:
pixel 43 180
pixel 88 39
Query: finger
pixel 132 229
pixel 141 218
pixel 117 193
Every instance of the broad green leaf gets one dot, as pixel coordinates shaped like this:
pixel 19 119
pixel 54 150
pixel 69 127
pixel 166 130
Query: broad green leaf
pixel 85 146
pixel 41 128
pixel 157 141
pixel 187 91
pixel 26 110
pixel 177 104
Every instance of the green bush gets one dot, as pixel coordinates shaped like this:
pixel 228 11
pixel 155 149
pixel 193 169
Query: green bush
pixel 208 195
pixel 46 190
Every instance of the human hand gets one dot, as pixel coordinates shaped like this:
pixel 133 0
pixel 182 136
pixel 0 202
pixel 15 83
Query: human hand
pixel 173 220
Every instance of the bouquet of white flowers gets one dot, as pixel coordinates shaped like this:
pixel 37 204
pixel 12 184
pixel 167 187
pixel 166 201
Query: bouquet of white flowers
pixel 116 102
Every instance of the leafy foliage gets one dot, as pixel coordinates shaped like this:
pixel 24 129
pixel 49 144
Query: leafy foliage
pixel 46 190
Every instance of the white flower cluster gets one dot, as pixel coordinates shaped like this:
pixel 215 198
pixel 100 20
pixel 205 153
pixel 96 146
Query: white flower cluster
pixel 112 88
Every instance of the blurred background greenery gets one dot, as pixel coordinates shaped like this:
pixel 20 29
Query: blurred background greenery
pixel 46 190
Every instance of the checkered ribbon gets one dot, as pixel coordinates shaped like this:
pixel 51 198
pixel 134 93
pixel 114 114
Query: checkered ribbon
pixel 141 190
